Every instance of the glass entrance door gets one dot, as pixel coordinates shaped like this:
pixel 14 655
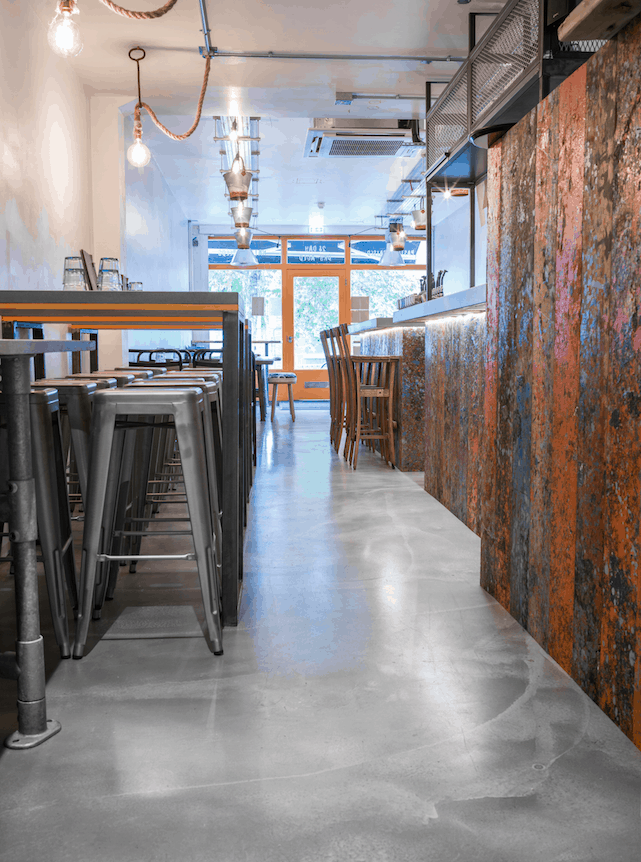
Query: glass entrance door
pixel 311 302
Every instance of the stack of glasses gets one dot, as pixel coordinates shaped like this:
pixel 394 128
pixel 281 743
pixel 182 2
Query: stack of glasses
pixel 109 275
pixel 74 274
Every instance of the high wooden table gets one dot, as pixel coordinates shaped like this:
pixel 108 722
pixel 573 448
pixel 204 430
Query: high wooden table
pixel 176 310
pixel 18 507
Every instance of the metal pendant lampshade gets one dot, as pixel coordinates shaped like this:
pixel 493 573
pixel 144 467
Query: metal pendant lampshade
pixel 397 235
pixel 241 215
pixel 420 219
pixel 243 257
pixel 243 237
pixel 238 180
pixel 391 257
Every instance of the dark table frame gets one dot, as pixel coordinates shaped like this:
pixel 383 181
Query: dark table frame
pixel 18 507
pixel 176 310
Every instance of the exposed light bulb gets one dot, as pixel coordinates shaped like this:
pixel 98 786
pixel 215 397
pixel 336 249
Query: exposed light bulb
pixel 233 132
pixel 447 194
pixel 236 166
pixel 64 35
pixel 138 154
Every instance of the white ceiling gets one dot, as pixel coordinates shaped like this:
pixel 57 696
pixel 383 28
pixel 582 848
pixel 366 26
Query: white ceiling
pixel 286 94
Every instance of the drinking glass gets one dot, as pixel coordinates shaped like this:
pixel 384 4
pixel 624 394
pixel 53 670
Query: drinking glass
pixel 74 279
pixel 109 280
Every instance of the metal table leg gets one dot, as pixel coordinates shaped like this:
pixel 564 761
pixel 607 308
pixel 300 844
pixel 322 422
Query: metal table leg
pixel 27 664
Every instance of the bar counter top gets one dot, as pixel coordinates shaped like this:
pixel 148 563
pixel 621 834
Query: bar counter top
pixel 463 302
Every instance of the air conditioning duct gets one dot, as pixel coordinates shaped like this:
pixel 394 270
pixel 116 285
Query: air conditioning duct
pixel 361 139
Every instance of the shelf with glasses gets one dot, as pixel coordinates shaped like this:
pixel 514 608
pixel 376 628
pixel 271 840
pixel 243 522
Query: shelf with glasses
pixel 470 301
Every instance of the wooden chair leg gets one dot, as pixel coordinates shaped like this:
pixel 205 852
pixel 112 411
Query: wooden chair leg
pixel 291 401
pixel 274 398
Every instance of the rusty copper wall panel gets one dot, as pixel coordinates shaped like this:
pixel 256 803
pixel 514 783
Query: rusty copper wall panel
pixel 567 305
pixel 547 154
pixel 620 686
pixel 594 353
pixel 494 575
pixel 431 358
pixel 519 387
pixel 454 352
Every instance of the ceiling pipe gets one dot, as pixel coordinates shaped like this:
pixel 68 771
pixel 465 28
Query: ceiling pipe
pixel 276 55
pixel 207 51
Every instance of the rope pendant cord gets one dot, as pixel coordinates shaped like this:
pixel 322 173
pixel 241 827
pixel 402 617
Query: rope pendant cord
pixel 141 104
pixel 128 13
pixel 138 123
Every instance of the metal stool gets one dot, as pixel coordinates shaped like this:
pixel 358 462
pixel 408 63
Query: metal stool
pixel 122 378
pixel 75 397
pixel 112 455
pixel 288 378
pixel 52 506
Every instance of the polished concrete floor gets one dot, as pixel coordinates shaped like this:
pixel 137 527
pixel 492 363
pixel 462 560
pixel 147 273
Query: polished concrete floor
pixel 373 705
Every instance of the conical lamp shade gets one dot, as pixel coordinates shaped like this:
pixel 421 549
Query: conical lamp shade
pixel 243 237
pixel 391 257
pixel 241 215
pixel 243 257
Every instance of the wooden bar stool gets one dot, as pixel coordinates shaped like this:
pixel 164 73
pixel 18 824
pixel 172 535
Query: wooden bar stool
pixel 288 378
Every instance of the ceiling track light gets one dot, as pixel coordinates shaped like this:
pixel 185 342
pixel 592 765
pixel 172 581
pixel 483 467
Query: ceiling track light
pixel 138 153
pixel 64 34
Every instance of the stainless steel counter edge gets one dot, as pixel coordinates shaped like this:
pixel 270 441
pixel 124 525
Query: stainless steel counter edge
pixel 369 325
pixel 463 302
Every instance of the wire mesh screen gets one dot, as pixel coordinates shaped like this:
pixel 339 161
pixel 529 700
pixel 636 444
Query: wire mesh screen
pixel 346 147
pixel 587 46
pixel 448 124
pixel 509 51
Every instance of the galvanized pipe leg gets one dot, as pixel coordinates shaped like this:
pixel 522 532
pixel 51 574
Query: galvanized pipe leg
pixel 33 726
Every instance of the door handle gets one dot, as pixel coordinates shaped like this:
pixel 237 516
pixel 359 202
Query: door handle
pixel 290 338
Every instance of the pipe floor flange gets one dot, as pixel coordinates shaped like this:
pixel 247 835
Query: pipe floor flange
pixel 22 741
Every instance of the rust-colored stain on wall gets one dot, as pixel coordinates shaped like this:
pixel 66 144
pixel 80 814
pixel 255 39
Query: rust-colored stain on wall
pixel 561 466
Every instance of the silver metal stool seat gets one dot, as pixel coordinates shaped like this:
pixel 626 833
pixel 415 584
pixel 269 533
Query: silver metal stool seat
pixel 122 378
pixel 52 507
pixel 75 397
pixel 116 416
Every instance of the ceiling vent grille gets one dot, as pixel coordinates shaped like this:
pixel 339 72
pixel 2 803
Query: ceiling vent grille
pixel 342 147
pixel 361 139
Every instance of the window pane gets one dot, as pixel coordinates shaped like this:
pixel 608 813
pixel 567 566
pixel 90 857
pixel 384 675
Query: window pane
pixel 384 287
pixel 315 251
pixel 250 283
pixel 451 241
pixel 266 250
pixel 369 251
pixel 315 308
pixel 221 251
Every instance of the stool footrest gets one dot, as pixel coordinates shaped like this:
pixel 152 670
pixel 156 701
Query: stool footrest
pixel 106 558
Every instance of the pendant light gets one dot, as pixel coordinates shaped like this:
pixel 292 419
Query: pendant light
pixel 138 153
pixel 241 215
pixel 391 256
pixel 244 256
pixel 397 235
pixel 238 179
pixel 64 34
pixel 419 217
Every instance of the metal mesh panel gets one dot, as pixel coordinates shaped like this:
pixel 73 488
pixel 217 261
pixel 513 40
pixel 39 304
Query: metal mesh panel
pixel 587 46
pixel 448 124
pixel 342 147
pixel 506 55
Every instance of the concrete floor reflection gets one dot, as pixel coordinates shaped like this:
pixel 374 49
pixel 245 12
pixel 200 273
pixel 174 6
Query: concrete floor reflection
pixel 373 704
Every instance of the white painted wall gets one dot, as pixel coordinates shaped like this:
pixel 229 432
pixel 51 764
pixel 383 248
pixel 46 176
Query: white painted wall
pixel 45 180
pixel 156 240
